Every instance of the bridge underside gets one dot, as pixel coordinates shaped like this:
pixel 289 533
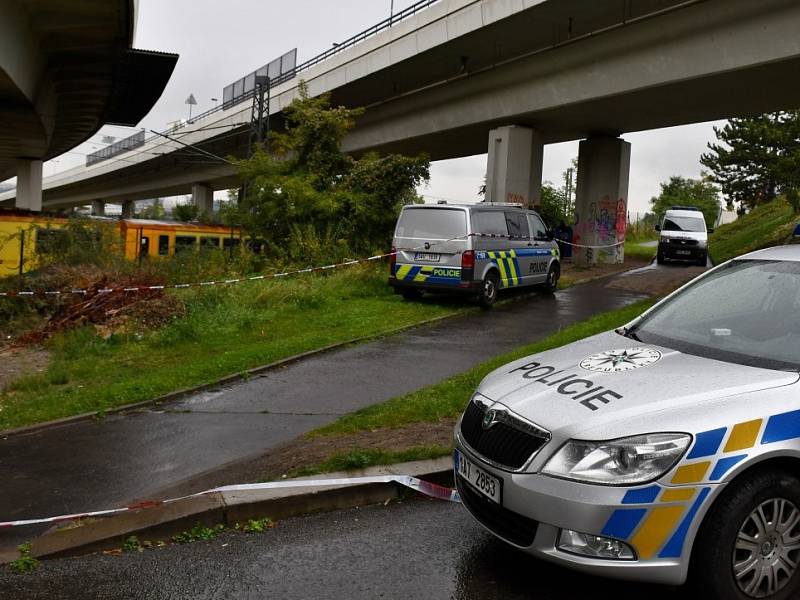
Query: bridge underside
pixel 622 68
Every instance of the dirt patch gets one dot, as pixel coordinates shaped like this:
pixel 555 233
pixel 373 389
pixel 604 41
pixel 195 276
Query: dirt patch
pixel 656 281
pixel 16 362
pixel 306 451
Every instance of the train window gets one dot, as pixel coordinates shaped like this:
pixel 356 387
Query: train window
pixel 184 242
pixel 163 245
pixel 144 250
pixel 50 240
pixel 228 243
pixel 209 242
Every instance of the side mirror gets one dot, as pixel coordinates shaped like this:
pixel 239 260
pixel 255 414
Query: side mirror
pixel 710 230
pixel 658 227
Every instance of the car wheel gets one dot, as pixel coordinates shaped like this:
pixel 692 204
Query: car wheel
pixel 660 257
pixel 411 294
pixel 489 289
pixel 550 284
pixel 701 262
pixel 749 544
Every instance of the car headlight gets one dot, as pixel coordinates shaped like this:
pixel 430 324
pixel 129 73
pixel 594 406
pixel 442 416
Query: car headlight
pixel 625 461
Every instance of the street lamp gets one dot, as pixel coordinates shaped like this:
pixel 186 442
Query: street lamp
pixel 215 101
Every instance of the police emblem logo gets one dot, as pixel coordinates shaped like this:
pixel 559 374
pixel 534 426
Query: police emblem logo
pixel 615 361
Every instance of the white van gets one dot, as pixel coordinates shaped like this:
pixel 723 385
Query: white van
pixel 684 236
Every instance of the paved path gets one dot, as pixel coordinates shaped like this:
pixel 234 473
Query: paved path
pixel 92 465
pixel 420 549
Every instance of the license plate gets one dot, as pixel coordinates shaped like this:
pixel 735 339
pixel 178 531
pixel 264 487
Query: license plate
pixel 427 256
pixel 683 252
pixel 478 479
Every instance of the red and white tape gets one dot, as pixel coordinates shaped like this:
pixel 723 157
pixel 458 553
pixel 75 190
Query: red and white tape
pixel 234 281
pixel 424 487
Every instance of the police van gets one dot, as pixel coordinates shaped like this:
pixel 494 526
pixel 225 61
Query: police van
pixel 475 249
pixel 665 450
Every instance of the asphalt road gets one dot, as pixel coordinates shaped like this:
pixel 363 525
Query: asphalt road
pixel 93 465
pixel 419 549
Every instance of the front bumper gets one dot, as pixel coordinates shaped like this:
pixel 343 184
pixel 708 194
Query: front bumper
pixel 536 507
pixel 683 252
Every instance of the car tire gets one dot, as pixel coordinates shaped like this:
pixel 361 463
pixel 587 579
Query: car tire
pixel 701 262
pixel 550 284
pixel 489 290
pixel 751 511
pixel 411 294
pixel 660 257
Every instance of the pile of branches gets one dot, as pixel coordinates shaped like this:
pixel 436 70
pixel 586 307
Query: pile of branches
pixel 109 310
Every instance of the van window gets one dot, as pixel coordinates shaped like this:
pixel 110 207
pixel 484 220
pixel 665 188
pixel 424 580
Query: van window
pixel 432 223
pixel 537 227
pixel 489 222
pixel 163 245
pixel 517 224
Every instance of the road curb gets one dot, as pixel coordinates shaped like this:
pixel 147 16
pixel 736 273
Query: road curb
pixel 227 380
pixel 163 521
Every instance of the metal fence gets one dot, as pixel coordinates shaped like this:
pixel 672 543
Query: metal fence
pixel 129 143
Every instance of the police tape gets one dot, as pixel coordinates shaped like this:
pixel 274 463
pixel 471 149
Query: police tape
pixel 427 488
pixel 263 277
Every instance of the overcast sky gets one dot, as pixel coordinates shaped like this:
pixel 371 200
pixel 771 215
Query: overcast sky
pixel 220 41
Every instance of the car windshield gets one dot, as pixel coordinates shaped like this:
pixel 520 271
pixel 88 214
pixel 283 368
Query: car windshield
pixel 744 312
pixel 684 224
pixel 432 223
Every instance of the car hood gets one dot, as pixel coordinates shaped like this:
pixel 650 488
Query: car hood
pixel 685 235
pixel 608 378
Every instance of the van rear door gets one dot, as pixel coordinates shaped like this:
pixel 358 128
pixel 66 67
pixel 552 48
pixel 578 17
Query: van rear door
pixel 431 236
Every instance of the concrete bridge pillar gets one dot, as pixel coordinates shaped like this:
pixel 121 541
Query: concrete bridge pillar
pixel 98 208
pixel 514 170
pixel 29 185
pixel 128 209
pixel 601 204
pixel 203 197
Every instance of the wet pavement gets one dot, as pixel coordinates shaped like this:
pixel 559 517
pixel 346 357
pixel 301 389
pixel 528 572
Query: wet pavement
pixel 418 549
pixel 92 465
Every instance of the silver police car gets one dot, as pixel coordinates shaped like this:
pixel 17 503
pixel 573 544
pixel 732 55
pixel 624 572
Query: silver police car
pixel 666 450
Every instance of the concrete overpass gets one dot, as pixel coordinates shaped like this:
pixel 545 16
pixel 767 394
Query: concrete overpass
pixel 507 76
pixel 66 69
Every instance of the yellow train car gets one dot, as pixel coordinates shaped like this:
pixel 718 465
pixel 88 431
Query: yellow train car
pixel 143 238
pixel 21 235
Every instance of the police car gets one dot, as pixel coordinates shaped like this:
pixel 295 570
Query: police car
pixel 476 249
pixel 666 450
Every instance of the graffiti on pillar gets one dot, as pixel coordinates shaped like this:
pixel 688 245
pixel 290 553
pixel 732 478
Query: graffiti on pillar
pixel 515 198
pixel 621 226
pixel 601 224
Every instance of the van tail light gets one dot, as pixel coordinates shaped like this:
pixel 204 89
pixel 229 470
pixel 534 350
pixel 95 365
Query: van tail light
pixel 468 259
pixel 392 261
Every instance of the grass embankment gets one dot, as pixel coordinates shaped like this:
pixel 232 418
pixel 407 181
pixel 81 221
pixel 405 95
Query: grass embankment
pixel 639 250
pixel 444 401
pixel 768 225
pixel 224 331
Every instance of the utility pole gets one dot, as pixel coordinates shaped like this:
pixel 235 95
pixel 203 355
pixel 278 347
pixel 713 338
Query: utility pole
pixel 391 13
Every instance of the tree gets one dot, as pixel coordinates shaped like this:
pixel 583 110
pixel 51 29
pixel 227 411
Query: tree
pixel 757 159
pixel 185 212
pixel 311 193
pixel 682 191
